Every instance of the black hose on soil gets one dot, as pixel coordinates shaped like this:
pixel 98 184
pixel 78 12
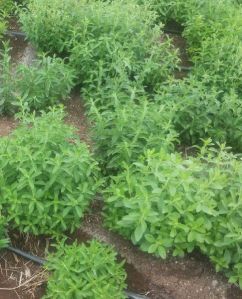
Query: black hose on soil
pixel 41 262
pixel 132 295
pixel 15 33
pixel 28 256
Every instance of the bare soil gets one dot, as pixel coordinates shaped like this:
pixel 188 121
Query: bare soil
pixel 76 116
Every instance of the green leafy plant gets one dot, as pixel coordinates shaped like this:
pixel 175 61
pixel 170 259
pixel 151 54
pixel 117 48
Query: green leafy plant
pixel 219 63
pixel 200 112
pixel 7 99
pixel 123 134
pixel 45 83
pixel 103 40
pixel 49 24
pixel 48 177
pixel 3 238
pixel 2 26
pixel 167 204
pixel 6 6
pixel 85 271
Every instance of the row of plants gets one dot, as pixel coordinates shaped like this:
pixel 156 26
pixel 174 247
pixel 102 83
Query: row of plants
pixel 116 51
pixel 170 205
pixel 161 201
pixel 215 46
pixel 6 7
pixel 47 82
pixel 49 178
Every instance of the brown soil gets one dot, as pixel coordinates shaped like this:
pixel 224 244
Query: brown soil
pixel 76 116
pixel 7 124
pixel 180 43
pixel 20 278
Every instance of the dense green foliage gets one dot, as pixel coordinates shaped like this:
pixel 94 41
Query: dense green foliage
pixel 167 204
pixel 162 201
pixel 121 135
pixel 103 40
pixel 85 272
pixel 213 32
pixel 3 238
pixel 6 6
pixel 199 112
pixel 45 83
pixel 47 176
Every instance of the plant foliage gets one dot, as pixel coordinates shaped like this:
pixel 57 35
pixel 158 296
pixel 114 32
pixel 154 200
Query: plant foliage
pixel 46 82
pixel 103 40
pixel 123 134
pixel 3 238
pixel 48 177
pixel 199 112
pixel 167 204
pixel 85 272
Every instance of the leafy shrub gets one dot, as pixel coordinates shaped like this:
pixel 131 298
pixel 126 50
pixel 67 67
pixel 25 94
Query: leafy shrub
pixel 46 83
pixel 6 83
pixel 43 84
pixel 121 135
pixel 104 40
pixel 200 112
pixel 213 33
pixel 219 63
pixel 47 176
pixel 3 239
pixel 211 19
pixel 49 24
pixel 169 10
pixel 167 204
pixel 6 6
pixel 121 38
pixel 89 272
pixel 2 26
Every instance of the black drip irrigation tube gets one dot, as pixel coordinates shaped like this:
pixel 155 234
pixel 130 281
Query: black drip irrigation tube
pixel 41 262
pixel 15 33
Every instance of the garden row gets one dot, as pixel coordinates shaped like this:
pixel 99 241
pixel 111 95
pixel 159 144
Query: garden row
pixel 140 114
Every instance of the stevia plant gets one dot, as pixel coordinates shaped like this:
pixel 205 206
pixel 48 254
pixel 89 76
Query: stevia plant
pixel 103 40
pixel 224 71
pixel 200 112
pixel 48 177
pixel 170 205
pixel 85 272
pixel 6 83
pixel 6 6
pixel 3 238
pixel 47 82
pixel 123 134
